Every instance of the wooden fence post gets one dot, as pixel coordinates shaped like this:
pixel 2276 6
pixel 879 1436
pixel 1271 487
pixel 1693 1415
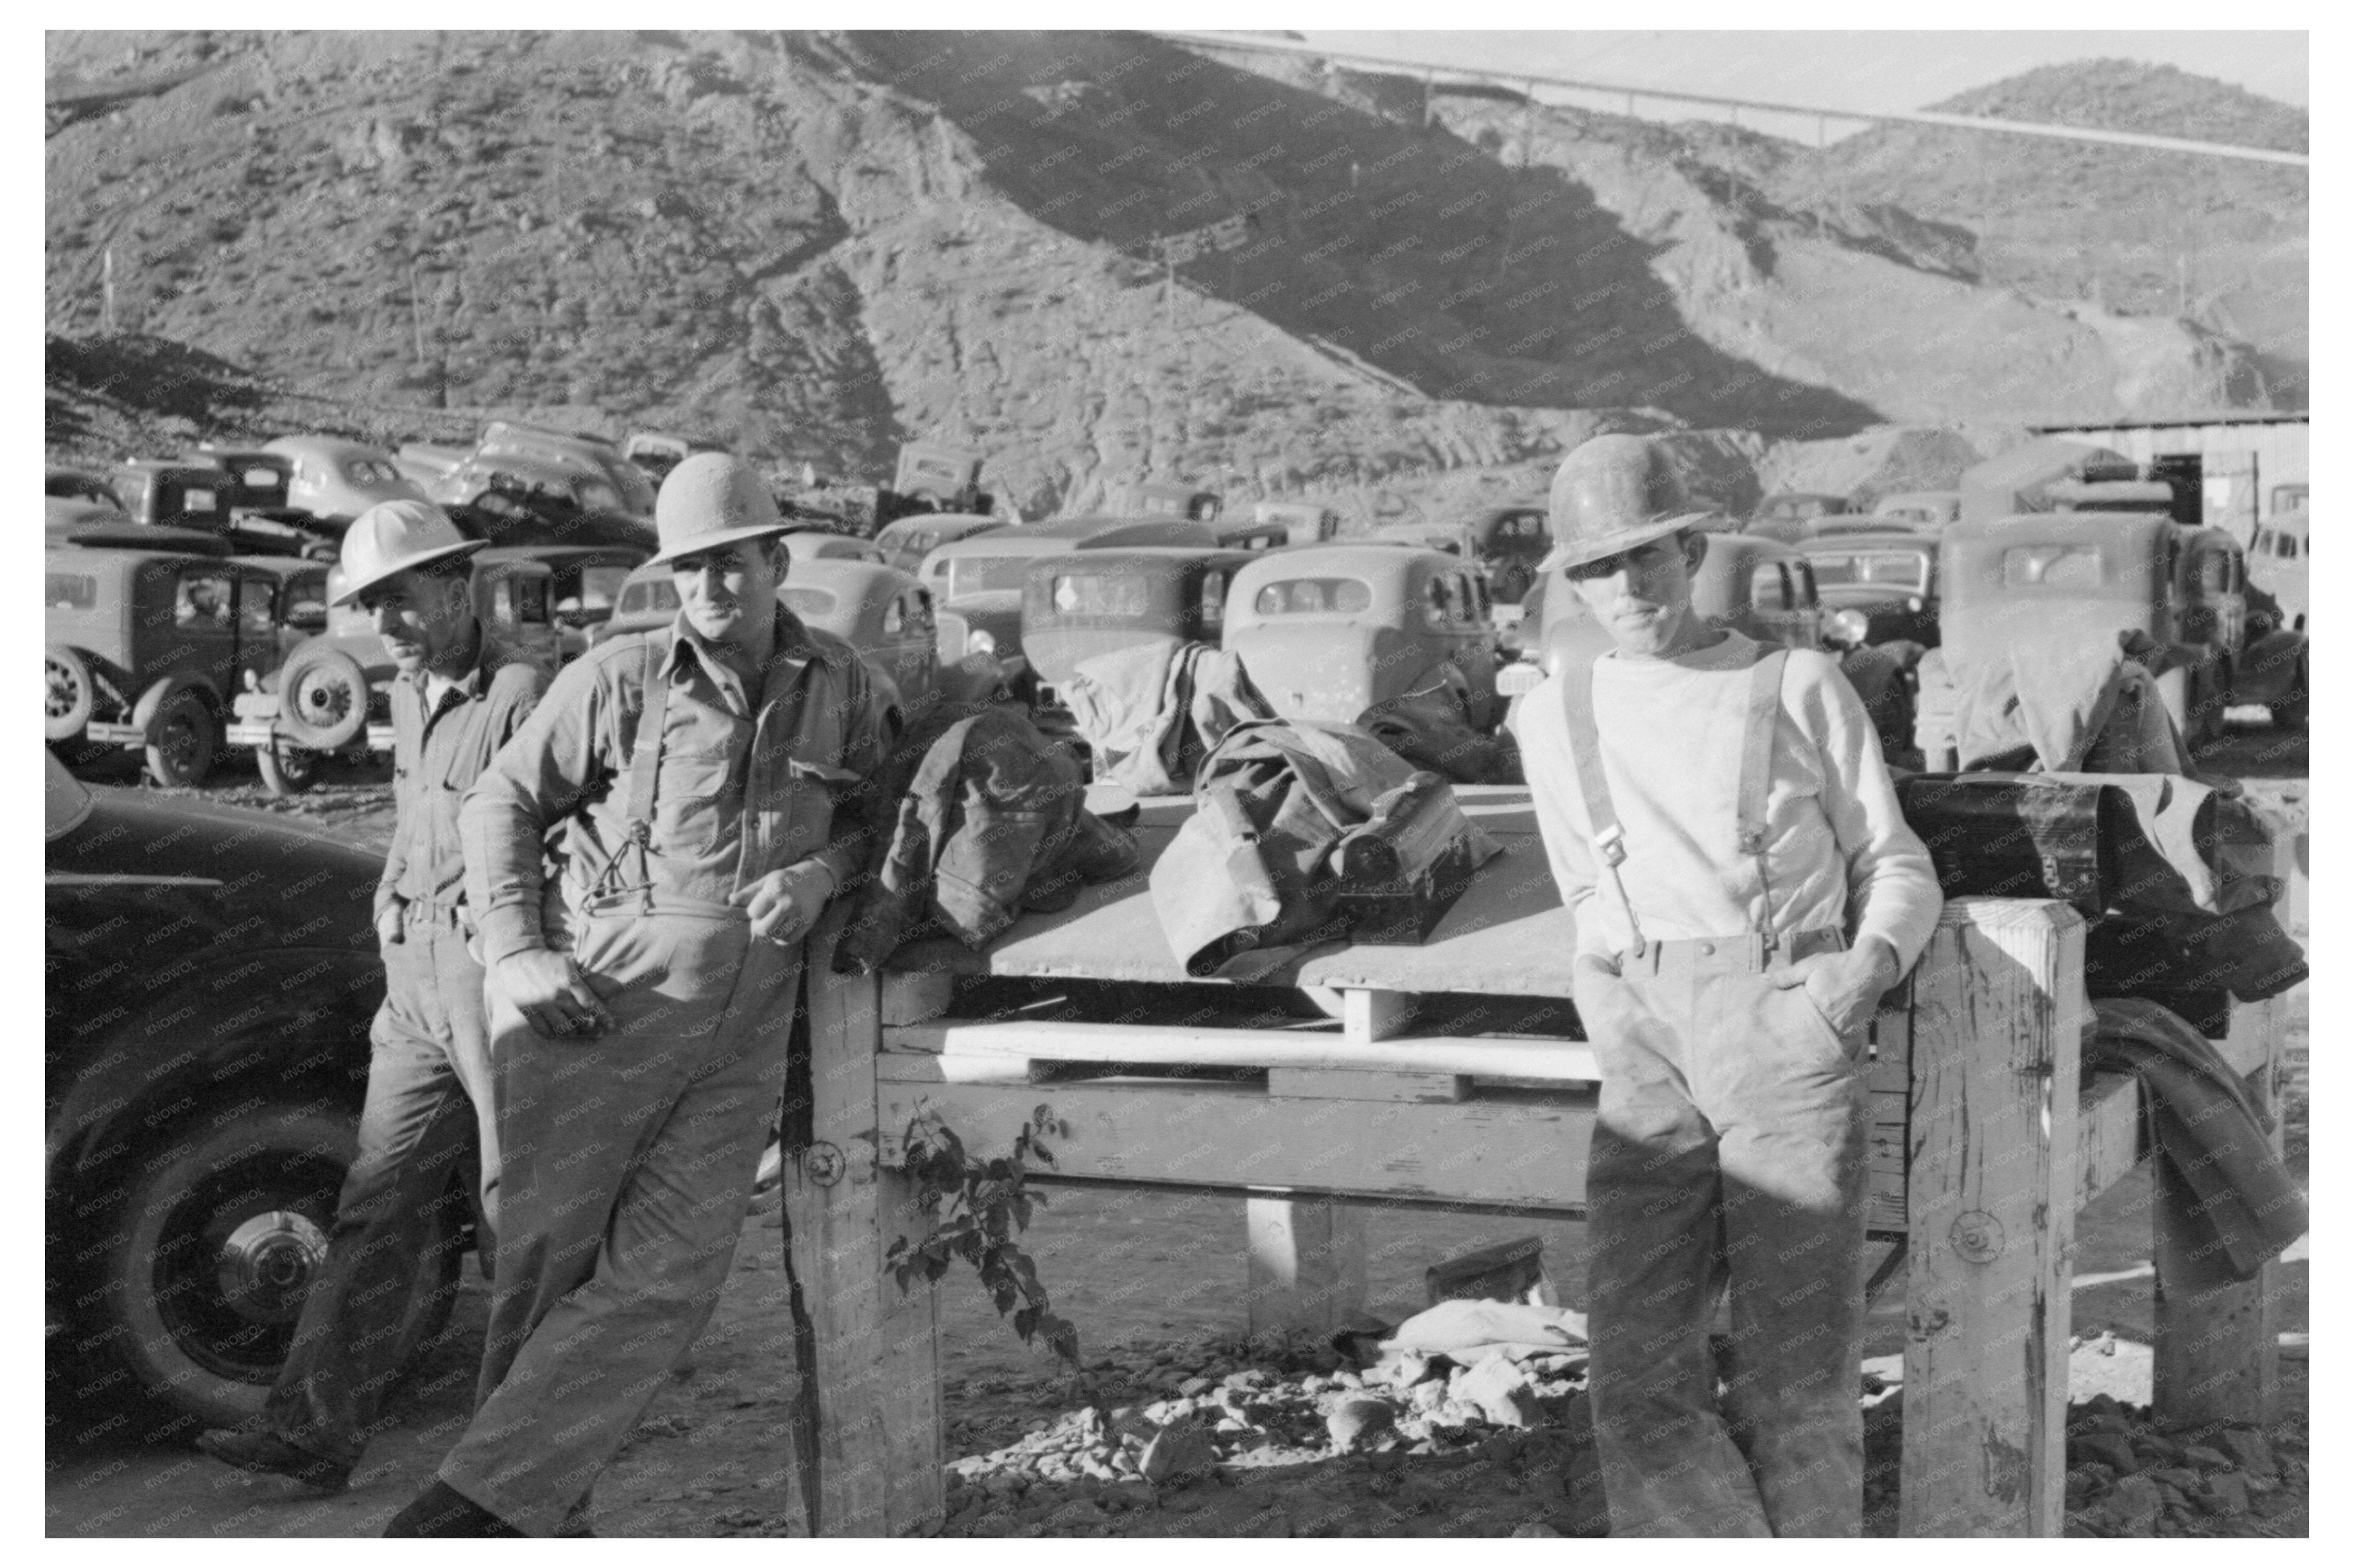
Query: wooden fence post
pixel 869 1431
pixel 1997 1007
pixel 1307 1264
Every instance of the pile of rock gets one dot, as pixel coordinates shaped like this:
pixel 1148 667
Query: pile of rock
pixel 2127 1477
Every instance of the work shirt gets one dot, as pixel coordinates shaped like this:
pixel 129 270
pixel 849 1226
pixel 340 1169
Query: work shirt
pixel 1838 855
pixel 749 783
pixel 439 748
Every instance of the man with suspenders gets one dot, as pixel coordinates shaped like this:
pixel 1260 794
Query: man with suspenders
pixel 694 790
pixel 1723 830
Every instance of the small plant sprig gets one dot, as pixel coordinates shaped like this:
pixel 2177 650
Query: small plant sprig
pixel 977 1205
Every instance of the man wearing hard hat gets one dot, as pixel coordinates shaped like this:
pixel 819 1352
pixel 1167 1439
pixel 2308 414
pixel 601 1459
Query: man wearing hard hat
pixel 700 782
pixel 459 695
pixel 1723 830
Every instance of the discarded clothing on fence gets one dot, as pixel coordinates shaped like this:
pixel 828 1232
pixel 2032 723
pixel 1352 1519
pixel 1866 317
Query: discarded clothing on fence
pixel 1309 832
pixel 2211 1133
pixel 992 820
pixel 2064 702
pixel 1430 725
pixel 1150 713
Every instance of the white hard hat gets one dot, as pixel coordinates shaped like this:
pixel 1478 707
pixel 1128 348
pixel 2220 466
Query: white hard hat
pixel 392 536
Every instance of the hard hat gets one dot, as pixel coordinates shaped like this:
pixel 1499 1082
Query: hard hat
pixel 392 536
pixel 1614 494
pixel 710 500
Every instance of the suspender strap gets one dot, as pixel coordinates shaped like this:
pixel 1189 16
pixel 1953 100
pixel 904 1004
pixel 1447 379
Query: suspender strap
pixel 1758 771
pixel 1601 816
pixel 646 768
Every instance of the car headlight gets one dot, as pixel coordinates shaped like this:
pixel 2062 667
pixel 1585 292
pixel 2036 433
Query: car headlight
pixel 1914 605
pixel 979 641
pixel 1848 625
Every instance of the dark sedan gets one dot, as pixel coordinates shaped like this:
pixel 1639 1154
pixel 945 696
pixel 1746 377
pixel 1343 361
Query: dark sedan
pixel 211 975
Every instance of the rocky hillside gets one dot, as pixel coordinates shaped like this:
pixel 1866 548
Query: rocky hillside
pixel 819 244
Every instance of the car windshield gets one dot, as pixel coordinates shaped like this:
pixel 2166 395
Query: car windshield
pixel 65 802
pixel 71 590
pixel 2052 565
pixel 971 575
pixel 654 596
pixel 1314 595
pixel 1878 569
pixel 1102 593
pixel 806 601
pixel 1769 588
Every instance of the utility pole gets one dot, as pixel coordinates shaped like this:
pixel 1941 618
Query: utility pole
pixel 416 314
pixel 106 291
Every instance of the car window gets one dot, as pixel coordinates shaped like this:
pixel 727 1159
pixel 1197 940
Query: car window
pixel 894 618
pixel 257 607
pixel 1769 588
pixel 1878 568
pixel 198 501
pixel 970 575
pixel 806 601
pixel 1100 593
pixel 919 612
pixel 2286 548
pixel 71 590
pixel 1808 595
pixel 530 600
pixel 1313 596
pixel 1213 600
pixel 1437 602
pixel 654 596
pixel 303 604
pixel 201 601
pixel 600 585
pixel 259 479
pixel 597 496
pixel 2052 565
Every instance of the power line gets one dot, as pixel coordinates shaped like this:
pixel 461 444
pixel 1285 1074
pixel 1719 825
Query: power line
pixel 1910 117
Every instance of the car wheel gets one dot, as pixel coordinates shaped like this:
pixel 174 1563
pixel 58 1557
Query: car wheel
pixel 187 740
pixel 322 698
pixel 285 768
pixel 72 693
pixel 214 1248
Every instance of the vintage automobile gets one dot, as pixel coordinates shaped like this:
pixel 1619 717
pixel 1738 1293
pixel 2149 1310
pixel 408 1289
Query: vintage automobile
pixel 1790 515
pixel 1506 542
pixel 1926 508
pixel 906 543
pixel 824 544
pixel 512 514
pixel 1332 632
pixel 977 581
pixel 2181 589
pixel 1878 587
pixel 1163 499
pixel 329 699
pixel 80 484
pixel 658 451
pixel 1090 602
pixel 1303 522
pixel 201 495
pixel 880 611
pixel 584 582
pixel 509 439
pixel 425 464
pixel 338 479
pixel 2277 554
pixel 573 478
pixel 147 649
pixel 211 977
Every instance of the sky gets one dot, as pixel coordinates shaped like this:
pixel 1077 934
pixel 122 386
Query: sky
pixel 1834 68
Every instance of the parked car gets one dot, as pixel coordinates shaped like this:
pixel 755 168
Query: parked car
pixel 2277 558
pixel 976 581
pixel 1165 499
pixel 146 649
pixel 882 611
pixel 2183 590
pixel 1253 535
pixel 211 978
pixel 512 514
pixel 330 697
pixel 823 544
pixel 1084 603
pixel 1877 586
pixel 574 480
pixel 206 496
pixel 338 479
pixel 584 581
pixel 424 463
pixel 1928 509
pixel 1790 515
pixel 656 452
pixel 511 438
pixel 906 543
pixel 1329 631
pixel 1304 521
pixel 80 484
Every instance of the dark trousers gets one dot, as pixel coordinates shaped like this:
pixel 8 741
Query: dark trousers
pixel 399 1217
pixel 1727 1159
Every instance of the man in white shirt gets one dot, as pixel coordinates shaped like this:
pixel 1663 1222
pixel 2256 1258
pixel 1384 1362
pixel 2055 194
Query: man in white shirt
pixel 1723 828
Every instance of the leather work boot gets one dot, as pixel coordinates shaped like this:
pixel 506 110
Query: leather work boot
pixel 267 1454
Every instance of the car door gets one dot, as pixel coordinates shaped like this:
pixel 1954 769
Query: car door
pixel 194 631
pixel 256 621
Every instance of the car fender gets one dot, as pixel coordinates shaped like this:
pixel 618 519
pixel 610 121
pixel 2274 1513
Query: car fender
pixel 151 701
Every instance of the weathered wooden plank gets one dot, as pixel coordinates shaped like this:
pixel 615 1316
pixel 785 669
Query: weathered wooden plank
pixel 870 1386
pixel 1314 1084
pixel 1997 1007
pixel 1307 1264
pixel 1555 1061
pixel 917 996
pixel 2108 1133
pixel 1516 1148
pixel 2217 1356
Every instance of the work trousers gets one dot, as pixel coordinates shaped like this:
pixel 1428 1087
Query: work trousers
pixel 399 1217
pixel 1727 1157
pixel 629 1165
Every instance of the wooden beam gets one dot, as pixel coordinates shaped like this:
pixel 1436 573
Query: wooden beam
pixel 1556 1061
pixel 1997 1007
pixel 1371 1015
pixel 1315 1084
pixel 1526 1149
pixel 1307 1264
pixel 870 1393
pixel 918 997
pixel 2108 1133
